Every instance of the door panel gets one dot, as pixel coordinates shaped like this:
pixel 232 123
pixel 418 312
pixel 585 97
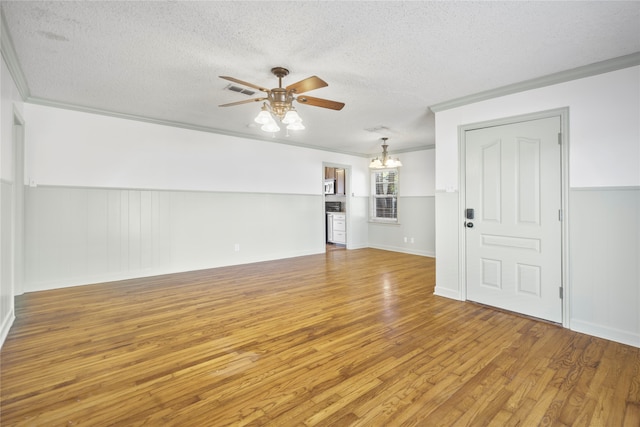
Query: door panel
pixel 491 181
pixel 513 183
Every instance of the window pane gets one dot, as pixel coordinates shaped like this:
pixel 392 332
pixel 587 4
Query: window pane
pixel 384 198
pixel 386 207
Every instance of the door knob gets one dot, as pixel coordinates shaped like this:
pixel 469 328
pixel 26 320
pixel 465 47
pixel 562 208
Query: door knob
pixel 468 224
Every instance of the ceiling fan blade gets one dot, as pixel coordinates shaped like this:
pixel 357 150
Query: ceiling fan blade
pixel 246 101
pixel 319 102
pixel 311 83
pixel 233 79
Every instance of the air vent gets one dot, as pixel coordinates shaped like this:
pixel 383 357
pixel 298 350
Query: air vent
pixel 239 89
pixel 379 129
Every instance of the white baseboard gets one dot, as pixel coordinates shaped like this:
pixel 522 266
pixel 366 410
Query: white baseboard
pixel 403 250
pixel 447 293
pixel 611 334
pixel 357 246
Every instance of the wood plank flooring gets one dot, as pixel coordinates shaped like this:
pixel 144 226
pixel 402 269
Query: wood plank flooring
pixel 346 338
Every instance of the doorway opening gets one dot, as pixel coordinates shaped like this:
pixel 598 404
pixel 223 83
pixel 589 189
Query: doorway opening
pixel 336 186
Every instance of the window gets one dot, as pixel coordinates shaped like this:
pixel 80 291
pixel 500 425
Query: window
pixel 384 197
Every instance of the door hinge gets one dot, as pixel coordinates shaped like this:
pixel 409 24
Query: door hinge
pixel 560 217
pixel 560 289
pixel 559 138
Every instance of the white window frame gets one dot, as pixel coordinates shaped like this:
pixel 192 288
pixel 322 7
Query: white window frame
pixel 375 197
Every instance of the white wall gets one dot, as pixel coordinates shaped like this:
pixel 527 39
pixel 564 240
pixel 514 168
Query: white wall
pixel 9 100
pixel 604 138
pixel 70 148
pixel 108 192
pixel 604 128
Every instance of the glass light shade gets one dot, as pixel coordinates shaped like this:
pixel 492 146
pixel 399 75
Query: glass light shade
pixel 292 116
pixel 263 117
pixel 295 126
pixel 393 163
pixel 271 126
pixel 375 163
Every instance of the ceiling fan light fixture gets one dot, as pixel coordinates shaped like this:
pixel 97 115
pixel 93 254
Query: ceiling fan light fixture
pixel 279 101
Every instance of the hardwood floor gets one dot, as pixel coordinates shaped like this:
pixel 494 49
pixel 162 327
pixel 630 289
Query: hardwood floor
pixel 346 338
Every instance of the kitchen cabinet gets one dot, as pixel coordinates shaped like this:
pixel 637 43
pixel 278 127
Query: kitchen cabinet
pixel 337 228
pixel 329 173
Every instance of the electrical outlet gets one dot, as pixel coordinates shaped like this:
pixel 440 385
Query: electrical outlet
pixel 236 247
pixel 412 240
pixel 405 239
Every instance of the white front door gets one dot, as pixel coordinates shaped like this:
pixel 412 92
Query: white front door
pixel 513 226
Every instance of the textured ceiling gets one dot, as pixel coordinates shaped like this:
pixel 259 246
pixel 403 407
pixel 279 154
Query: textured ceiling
pixel 387 61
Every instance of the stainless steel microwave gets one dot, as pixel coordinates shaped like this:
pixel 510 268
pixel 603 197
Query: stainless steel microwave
pixel 329 186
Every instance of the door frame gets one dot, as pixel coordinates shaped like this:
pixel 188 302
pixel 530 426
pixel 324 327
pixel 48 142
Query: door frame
pixel 563 113
pixel 17 201
pixel 347 195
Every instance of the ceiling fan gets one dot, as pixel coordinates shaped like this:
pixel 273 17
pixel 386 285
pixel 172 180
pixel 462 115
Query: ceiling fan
pixel 279 101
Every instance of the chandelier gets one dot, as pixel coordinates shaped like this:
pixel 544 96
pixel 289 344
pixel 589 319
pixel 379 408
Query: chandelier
pixel 386 162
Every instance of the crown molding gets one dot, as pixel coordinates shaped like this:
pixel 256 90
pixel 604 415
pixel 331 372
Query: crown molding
pixel 589 70
pixel 11 59
pixel 411 149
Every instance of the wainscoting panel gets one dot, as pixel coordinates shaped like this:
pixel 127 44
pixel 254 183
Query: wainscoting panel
pixel 85 235
pixel 357 229
pixel 416 221
pixel 605 259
